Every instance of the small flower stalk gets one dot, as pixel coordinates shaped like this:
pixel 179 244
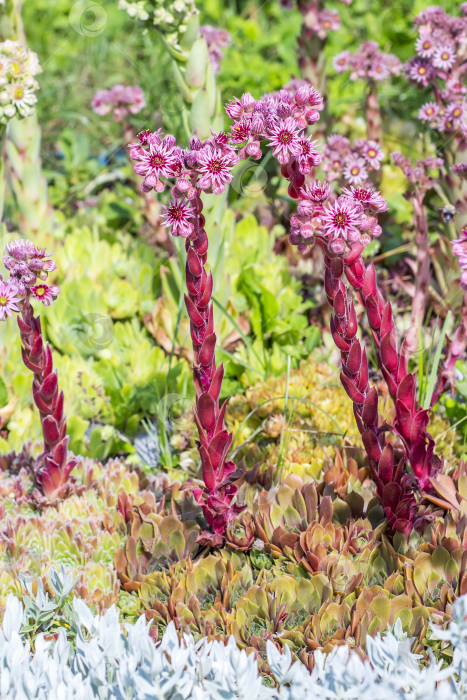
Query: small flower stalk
pixel 440 64
pixel 342 227
pixel 28 267
pixel 204 167
pixel 420 181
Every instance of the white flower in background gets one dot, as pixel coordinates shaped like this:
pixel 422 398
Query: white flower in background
pixel 18 68
pixel 171 17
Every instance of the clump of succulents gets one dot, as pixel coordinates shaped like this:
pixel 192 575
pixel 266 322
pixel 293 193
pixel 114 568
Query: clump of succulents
pixel 84 644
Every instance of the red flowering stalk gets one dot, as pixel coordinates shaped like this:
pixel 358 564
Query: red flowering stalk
pixel 205 166
pixel 342 228
pixel 419 183
pixel 371 65
pixel 28 267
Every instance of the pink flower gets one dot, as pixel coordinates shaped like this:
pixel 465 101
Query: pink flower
pixel 8 299
pixel 425 45
pixel 44 293
pixel 158 160
pixel 285 140
pixel 341 61
pixel 367 198
pixel 178 216
pixel 420 71
pixel 428 112
pixel 317 191
pixel 214 165
pixel 341 219
pixel 355 171
pixel 372 154
pixel 308 156
pixel 444 57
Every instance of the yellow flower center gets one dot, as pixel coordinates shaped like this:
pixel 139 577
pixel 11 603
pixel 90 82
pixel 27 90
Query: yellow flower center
pixel 3 301
pixel 18 93
pixel 371 153
pixel 40 291
pixel 422 70
pixel 355 170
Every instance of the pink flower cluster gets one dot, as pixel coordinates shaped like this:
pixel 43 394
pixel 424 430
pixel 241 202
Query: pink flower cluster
pixel 217 40
pixel 317 21
pixel 122 99
pixel 336 221
pixel 351 163
pixel 421 176
pixel 369 62
pixel 459 248
pixel 29 267
pixel 441 63
pixel 205 165
pixel 281 119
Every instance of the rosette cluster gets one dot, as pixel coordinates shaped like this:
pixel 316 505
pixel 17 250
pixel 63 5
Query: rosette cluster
pixel 121 100
pixel 367 63
pixel 441 64
pixel 18 85
pixel 170 17
pixel 351 163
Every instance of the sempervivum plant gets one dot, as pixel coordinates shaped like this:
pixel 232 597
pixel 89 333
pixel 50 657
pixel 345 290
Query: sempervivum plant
pixel 28 267
pixel 342 227
pixel 203 167
pixel 181 668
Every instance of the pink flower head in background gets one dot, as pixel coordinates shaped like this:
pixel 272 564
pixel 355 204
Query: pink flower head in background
pixel 440 64
pixel 368 62
pixel 351 163
pixel 217 40
pixel 123 100
pixel 8 299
